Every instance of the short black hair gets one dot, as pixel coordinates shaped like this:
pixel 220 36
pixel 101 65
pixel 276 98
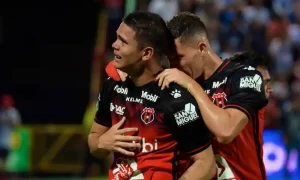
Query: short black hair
pixel 251 58
pixel 185 25
pixel 151 30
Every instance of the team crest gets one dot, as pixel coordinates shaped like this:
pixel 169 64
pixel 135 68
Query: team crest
pixel 219 99
pixel 147 115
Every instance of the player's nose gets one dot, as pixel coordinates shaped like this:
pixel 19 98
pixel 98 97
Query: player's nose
pixel 115 45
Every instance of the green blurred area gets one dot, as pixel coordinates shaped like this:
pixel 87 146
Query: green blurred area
pixel 48 149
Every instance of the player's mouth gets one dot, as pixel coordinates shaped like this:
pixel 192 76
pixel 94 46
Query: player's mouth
pixel 117 57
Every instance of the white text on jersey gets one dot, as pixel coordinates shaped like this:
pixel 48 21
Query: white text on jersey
pixel 134 100
pixel 121 90
pixel 253 82
pixel 218 83
pixel 189 114
pixel 147 146
pixel 117 109
pixel 148 96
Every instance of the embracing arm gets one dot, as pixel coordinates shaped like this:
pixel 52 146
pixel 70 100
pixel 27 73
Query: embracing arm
pixel 102 122
pixel 203 168
pixel 97 130
pixel 225 124
pixel 244 102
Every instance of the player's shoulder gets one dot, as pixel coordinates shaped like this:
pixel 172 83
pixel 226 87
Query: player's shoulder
pixel 176 94
pixel 239 70
pixel 247 71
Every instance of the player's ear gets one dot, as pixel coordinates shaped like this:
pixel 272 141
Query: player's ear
pixel 148 52
pixel 202 47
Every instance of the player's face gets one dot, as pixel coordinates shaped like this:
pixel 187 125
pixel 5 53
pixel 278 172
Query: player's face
pixel 188 55
pixel 126 50
pixel 267 80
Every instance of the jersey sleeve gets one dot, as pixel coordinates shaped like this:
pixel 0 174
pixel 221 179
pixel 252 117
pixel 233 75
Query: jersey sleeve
pixel 185 122
pixel 103 104
pixel 247 92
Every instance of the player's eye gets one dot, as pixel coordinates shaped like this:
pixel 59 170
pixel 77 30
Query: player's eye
pixel 266 81
pixel 180 57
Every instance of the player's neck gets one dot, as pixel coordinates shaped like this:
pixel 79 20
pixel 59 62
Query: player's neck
pixel 149 74
pixel 211 65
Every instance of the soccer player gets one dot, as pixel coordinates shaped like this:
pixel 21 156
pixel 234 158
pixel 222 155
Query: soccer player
pixel 160 125
pixel 235 96
pixel 235 88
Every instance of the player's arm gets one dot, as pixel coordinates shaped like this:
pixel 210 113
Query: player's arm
pixel 204 166
pixel 105 138
pixel 226 123
pixel 192 136
pixel 102 122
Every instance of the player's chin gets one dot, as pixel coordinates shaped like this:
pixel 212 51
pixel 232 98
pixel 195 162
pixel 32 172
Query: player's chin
pixel 118 63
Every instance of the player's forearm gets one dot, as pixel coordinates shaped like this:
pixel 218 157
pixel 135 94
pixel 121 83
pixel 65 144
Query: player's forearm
pixel 216 119
pixel 200 170
pixel 93 141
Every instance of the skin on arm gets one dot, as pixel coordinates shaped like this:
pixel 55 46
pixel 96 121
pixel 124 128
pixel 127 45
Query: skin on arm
pixel 225 124
pixel 203 162
pixel 93 140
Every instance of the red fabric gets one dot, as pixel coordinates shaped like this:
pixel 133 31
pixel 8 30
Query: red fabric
pixel 242 167
pixel 112 72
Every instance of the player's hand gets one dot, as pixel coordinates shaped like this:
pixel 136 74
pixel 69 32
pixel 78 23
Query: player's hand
pixel 114 139
pixel 174 75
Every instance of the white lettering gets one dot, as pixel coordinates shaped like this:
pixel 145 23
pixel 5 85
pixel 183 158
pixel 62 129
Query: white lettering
pixel 189 114
pixel 254 82
pixel 149 97
pixel 117 109
pixel 147 147
pixel 135 100
pixel 207 91
pixel 218 83
pixel 121 90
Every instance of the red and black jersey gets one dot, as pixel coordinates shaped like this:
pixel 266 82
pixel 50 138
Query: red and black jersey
pixel 234 85
pixel 169 123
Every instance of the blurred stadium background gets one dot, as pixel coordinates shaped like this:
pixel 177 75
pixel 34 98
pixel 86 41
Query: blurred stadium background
pixel 52 59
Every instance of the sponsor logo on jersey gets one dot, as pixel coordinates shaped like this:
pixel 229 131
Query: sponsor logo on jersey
pixel 121 90
pixel 125 168
pixel 147 115
pixel 187 115
pixel 219 83
pixel 176 93
pixel 253 82
pixel 134 100
pixel 219 99
pixel 117 109
pixel 147 147
pixel 149 97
